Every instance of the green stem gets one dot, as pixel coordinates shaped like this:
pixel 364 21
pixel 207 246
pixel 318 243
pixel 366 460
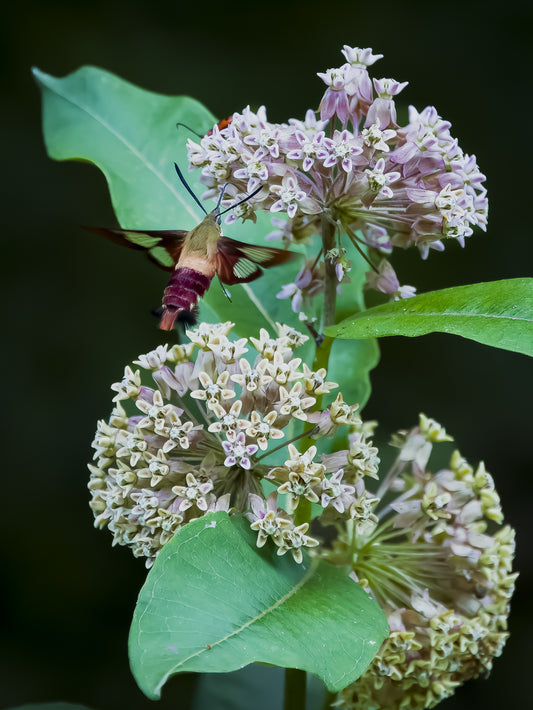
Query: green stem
pixel 295 687
pixel 302 514
pixel 322 354
pixel 331 282
pixel 330 299
pixel 295 680
pixel 329 699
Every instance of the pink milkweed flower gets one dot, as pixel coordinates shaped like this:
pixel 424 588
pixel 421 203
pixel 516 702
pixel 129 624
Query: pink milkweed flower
pixel 238 453
pixel 383 110
pixel 359 85
pixel 384 184
pixel 345 148
pixel 386 281
pixel 304 288
pixel 335 99
pixel 291 197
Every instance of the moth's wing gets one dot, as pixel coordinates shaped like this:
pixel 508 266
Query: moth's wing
pixel 238 262
pixel 163 247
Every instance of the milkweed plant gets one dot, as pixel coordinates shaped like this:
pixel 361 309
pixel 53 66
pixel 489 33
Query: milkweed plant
pixel 236 461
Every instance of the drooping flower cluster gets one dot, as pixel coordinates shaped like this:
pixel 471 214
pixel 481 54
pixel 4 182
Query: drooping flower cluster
pixel 444 582
pixel 197 437
pixel 381 183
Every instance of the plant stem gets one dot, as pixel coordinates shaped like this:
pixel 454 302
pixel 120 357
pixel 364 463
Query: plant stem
pixel 295 680
pixel 329 699
pixel 295 687
pixel 331 282
pixel 303 512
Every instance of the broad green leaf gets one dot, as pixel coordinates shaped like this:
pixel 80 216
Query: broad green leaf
pixel 213 602
pixel 130 134
pixel 497 313
pixel 350 364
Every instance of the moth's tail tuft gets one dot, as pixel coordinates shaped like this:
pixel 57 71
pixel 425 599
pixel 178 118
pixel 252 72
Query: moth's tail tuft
pixel 188 318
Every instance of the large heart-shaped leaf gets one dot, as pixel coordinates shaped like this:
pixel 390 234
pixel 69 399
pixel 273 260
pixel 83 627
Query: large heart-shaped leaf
pixel 497 313
pixel 213 602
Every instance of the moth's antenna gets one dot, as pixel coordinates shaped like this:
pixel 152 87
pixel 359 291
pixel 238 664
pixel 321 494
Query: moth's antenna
pixel 189 129
pixel 186 186
pixel 221 196
pixel 243 200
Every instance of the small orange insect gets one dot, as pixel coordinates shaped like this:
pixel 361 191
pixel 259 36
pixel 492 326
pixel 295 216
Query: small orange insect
pixel 222 124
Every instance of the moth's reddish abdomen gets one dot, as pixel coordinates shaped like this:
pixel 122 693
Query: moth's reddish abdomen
pixel 185 288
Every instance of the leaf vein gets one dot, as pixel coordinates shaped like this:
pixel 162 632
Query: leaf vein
pixel 444 314
pixel 249 623
pixel 130 146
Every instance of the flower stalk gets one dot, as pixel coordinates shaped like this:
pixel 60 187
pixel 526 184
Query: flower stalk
pixel 331 280
pixel 295 689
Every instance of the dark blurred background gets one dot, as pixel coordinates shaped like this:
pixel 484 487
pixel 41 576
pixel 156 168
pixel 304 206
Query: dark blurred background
pixel 76 308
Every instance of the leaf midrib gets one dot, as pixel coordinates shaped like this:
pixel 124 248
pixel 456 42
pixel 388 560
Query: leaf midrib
pixel 246 625
pixel 82 107
pixel 440 314
pixel 295 588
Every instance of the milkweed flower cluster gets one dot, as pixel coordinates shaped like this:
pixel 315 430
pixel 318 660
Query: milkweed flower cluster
pixel 442 578
pixel 204 426
pixel 193 433
pixel 381 183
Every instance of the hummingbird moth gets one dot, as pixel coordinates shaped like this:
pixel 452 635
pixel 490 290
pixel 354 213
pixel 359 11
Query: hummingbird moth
pixel 194 257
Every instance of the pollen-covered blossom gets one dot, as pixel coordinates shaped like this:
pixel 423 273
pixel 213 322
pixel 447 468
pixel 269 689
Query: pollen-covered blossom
pixel 438 561
pixel 380 183
pixel 198 426
pixel 271 522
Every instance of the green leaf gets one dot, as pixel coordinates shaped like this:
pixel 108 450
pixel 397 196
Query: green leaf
pixel 130 134
pixel 51 706
pixel 497 313
pixel 349 365
pixel 213 602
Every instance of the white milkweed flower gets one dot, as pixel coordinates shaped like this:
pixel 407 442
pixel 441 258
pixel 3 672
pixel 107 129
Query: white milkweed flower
pixel 198 426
